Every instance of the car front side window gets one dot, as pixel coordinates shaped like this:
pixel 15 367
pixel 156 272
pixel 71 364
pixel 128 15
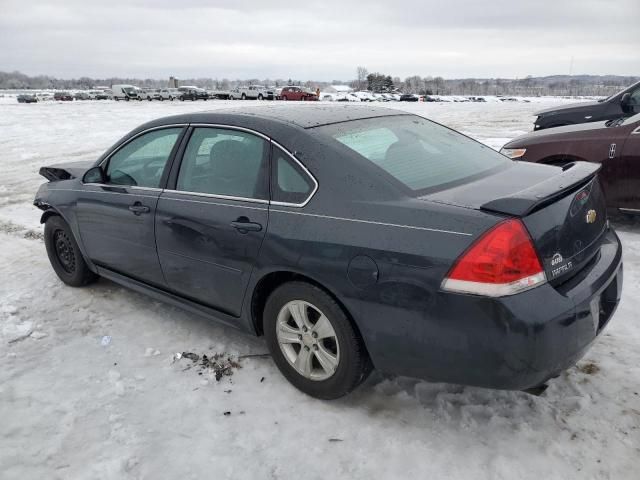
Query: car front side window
pixel 142 161
pixel 229 163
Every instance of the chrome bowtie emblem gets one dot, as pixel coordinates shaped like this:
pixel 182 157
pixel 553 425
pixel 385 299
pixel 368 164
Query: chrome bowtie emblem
pixel 591 216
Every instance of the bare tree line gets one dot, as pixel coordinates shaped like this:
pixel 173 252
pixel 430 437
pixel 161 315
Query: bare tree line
pixel 561 85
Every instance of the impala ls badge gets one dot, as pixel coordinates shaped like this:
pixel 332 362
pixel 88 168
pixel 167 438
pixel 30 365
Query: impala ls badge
pixel 612 150
pixel 591 216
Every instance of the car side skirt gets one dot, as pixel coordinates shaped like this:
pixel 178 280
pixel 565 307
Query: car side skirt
pixel 173 299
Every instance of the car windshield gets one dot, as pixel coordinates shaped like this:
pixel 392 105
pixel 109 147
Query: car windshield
pixel 422 155
pixel 617 93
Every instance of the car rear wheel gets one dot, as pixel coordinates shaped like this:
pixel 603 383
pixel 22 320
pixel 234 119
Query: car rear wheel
pixel 284 98
pixel 244 97
pixel 65 255
pixel 313 342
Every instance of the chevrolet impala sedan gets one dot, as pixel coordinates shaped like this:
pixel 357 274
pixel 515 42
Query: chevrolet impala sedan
pixel 352 238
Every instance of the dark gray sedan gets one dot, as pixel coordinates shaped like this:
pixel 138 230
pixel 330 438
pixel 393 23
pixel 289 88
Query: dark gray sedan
pixel 350 237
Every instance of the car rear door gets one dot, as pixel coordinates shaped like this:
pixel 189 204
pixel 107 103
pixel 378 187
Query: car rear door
pixel 211 220
pixel 116 218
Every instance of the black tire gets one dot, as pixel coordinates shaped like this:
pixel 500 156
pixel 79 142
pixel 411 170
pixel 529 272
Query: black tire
pixel 65 255
pixel 260 97
pixel 354 365
pixel 244 97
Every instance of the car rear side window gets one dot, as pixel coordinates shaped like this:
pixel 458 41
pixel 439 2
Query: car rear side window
pixel 290 183
pixel 141 162
pixel 419 154
pixel 225 162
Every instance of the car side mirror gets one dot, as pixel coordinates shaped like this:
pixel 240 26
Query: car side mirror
pixel 94 175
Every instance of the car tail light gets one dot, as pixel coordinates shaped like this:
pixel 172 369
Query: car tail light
pixel 501 262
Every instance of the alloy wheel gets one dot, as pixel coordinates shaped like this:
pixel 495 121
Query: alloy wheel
pixel 308 340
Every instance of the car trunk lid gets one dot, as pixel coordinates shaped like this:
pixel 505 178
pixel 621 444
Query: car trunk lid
pixel 563 209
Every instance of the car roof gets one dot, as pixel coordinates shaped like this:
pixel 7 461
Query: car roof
pixel 304 116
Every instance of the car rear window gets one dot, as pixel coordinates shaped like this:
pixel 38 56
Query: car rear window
pixel 420 154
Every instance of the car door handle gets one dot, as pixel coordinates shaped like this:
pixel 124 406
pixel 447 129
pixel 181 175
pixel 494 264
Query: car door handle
pixel 243 225
pixel 137 208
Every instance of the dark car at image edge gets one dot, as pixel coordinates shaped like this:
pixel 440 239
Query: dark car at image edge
pixel 622 104
pixel 352 238
pixel 614 144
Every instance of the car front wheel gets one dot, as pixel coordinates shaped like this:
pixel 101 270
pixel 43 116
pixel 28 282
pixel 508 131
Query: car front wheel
pixel 313 342
pixel 65 255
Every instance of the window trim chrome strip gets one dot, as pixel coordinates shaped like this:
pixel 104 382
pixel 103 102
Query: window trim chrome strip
pixel 115 185
pixel 129 140
pixel 219 197
pixel 222 197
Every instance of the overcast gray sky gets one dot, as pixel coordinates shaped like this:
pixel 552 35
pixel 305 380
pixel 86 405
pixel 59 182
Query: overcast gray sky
pixel 322 40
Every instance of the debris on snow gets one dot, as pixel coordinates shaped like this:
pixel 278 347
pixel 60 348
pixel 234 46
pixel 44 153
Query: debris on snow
pixel 219 364
pixel 589 368
pixel 106 340
pixel 38 335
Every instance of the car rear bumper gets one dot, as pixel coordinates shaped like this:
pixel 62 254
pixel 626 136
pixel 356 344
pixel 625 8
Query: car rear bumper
pixel 514 342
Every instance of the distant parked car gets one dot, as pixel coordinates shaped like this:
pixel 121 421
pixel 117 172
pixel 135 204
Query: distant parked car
pixel 192 93
pixel 365 96
pixel 174 93
pixel 27 98
pixel 615 144
pixel 409 97
pixel 163 94
pixel 104 95
pixel 146 93
pixel 347 97
pixel 125 92
pixel 44 97
pixel 622 104
pixel 82 96
pixel 63 96
pixel 297 93
pixel 256 92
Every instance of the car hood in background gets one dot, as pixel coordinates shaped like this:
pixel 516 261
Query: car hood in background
pixel 569 108
pixel 549 132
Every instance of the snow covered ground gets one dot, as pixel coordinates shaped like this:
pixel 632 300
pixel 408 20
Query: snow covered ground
pixel 77 405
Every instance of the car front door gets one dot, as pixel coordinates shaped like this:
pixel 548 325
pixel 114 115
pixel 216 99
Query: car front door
pixel 212 218
pixel 116 216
